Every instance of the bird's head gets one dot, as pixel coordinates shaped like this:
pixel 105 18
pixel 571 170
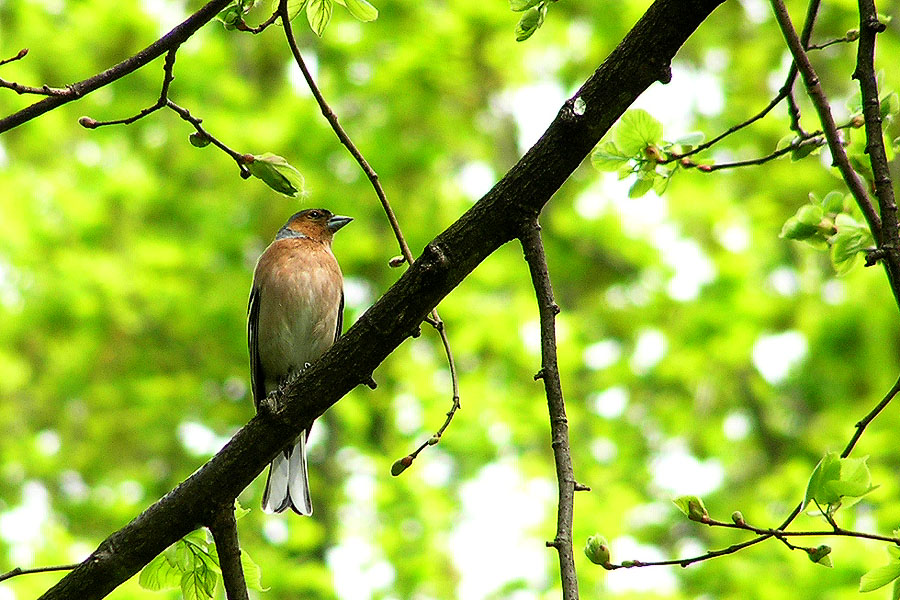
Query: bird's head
pixel 315 223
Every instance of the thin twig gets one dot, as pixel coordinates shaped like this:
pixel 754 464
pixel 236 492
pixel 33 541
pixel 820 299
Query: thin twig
pixel 20 571
pixel 241 25
pixel 239 158
pixel 173 39
pixel 795 145
pixel 44 90
pixel 330 116
pixel 18 56
pixel 533 247
pixel 864 422
pixel 851 36
pixel 224 530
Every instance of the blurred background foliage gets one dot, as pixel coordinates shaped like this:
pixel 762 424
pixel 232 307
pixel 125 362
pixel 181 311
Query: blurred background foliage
pixel 700 353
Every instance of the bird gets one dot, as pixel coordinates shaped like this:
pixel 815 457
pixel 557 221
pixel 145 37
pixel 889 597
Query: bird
pixel 294 315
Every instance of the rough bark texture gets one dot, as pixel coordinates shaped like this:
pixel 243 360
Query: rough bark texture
pixel 642 58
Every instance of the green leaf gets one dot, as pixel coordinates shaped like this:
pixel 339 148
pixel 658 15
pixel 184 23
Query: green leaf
pixel 820 556
pixel 240 511
pixel 637 130
pixel 597 550
pixel 880 576
pixel 793 229
pixel 785 142
pixel 828 469
pixel 198 140
pixel 890 105
pixel 198 584
pixel 230 15
pixel 252 573
pixel 277 173
pixel 522 5
pixel 855 480
pixel 361 10
pixel 318 13
pixel 530 22
pixel 294 7
pixel 159 574
pixel 692 506
pixel 640 187
pixel 691 139
pixel 802 151
pixel 608 157
pixel 810 214
pixel 845 248
pixel 833 202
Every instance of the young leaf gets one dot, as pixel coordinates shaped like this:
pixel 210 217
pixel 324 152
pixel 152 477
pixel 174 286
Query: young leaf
pixel 277 173
pixel 880 576
pixel 597 550
pixel 361 10
pixel 640 187
pixel 828 469
pixel 810 214
pixel 522 5
pixel 691 139
pixel 833 202
pixel 793 229
pixel 159 574
pixel 637 130
pixel 318 13
pixel 530 22
pixel 240 511
pixel 252 574
pixel 608 157
pixel 692 506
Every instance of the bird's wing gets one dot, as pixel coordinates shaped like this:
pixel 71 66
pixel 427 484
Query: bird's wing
pixel 257 380
pixel 340 319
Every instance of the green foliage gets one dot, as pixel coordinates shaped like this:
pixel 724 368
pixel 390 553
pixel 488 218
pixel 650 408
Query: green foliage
pixel 277 173
pixel 836 479
pixel 637 148
pixel 881 576
pixel 531 21
pixel 597 550
pixel 829 223
pixel 692 507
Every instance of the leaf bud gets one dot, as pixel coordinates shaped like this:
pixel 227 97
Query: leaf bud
pixel 597 550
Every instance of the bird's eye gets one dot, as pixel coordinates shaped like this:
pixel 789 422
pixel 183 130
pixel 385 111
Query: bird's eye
pixel 315 215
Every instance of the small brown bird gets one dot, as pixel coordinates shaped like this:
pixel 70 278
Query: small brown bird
pixel 295 315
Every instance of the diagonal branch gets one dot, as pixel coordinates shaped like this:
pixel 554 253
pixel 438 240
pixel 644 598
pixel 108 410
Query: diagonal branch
pixel 640 59
pixel 171 40
pixel 533 247
pixel 224 530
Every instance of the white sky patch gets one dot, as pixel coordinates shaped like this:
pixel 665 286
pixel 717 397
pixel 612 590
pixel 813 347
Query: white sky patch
pixel 48 442
pixel 500 501
pixel 200 440
pixel 734 236
pixel 784 281
pixel 693 268
pixel 437 468
pixel 168 14
pixel 610 403
pixel 604 450
pixel 407 414
pixel 357 569
pixel 602 354
pixel 533 108
pixel 530 334
pixel 659 580
pixel 674 103
pixel 295 75
pixel 593 201
pixel 775 355
pixel 736 425
pixel 475 179
pixel 650 348
pixel 21 527
pixel 834 292
pixel 275 529
pixel 678 472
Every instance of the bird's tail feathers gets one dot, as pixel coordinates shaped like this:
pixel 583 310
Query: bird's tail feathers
pixel 287 485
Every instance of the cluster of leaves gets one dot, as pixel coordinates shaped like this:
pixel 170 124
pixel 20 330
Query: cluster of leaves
pixel 318 12
pixel 532 19
pixel 889 103
pixel 192 563
pixel 637 148
pixel 835 482
pixel 830 223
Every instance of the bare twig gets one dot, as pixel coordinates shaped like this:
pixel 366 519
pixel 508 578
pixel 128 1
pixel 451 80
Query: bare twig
pixel 20 571
pixel 795 145
pixel 864 422
pixel 224 530
pixel 533 247
pixel 851 36
pixel 173 39
pixel 21 54
pixel 330 116
pixel 239 158
pixel 240 25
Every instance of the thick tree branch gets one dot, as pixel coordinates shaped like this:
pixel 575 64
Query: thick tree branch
pixel 224 531
pixel 642 58
pixel 533 247
pixel 170 41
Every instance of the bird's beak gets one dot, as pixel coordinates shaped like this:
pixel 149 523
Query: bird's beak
pixel 337 221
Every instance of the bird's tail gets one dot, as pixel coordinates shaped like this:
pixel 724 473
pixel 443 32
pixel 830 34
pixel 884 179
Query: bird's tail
pixel 287 485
